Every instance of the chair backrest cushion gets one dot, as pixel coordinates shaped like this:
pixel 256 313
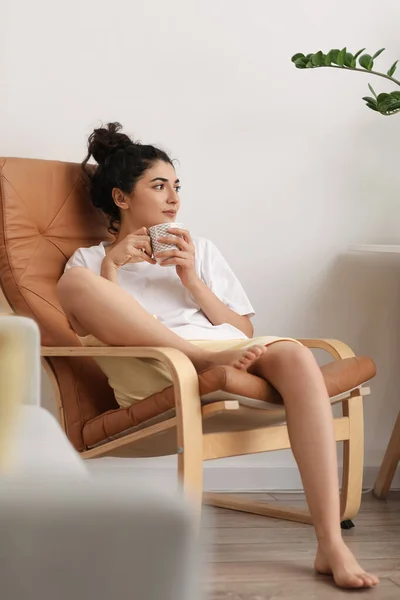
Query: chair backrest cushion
pixel 45 215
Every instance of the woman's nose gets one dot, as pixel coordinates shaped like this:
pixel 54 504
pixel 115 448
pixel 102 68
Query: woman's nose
pixel 173 197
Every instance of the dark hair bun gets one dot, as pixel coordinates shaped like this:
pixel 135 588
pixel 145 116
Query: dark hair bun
pixel 121 163
pixel 105 141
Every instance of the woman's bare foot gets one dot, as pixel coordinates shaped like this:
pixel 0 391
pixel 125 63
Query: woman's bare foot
pixel 337 560
pixel 240 359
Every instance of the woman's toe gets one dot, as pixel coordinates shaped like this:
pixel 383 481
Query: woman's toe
pixel 357 581
pixel 240 364
pixel 369 580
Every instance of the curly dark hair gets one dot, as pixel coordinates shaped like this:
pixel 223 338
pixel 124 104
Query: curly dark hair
pixel 121 163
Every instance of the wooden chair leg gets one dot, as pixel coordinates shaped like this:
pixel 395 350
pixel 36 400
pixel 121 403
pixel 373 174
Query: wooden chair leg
pixel 189 433
pixel 255 507
pixel 389 463
pixel 190 475
pixel 353 457
pixel 353 463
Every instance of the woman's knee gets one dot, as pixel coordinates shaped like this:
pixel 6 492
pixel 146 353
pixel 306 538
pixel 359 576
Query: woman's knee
pixel 72 283
pixel 291 357
pixel 287 365
pixel 297 354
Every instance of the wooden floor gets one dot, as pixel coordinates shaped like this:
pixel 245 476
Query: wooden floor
pixel 249 557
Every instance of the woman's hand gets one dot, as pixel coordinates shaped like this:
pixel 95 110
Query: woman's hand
pixel 183 258
pixel 134 248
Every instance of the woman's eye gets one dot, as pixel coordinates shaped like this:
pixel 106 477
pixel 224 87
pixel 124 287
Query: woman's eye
pixel 178 188
pixel 160 186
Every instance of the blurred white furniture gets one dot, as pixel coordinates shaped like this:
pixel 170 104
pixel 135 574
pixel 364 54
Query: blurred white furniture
pixel 392 455
pixel 99 539
pixel 63 534
pixel 31 440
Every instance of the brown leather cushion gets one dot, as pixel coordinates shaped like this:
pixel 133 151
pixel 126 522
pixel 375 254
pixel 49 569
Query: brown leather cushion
pixel 45 215
pixel 340 376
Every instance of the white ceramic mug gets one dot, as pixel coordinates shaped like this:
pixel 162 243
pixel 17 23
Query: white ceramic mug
pixel 161 230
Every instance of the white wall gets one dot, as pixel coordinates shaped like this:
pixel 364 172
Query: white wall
pixel 282 168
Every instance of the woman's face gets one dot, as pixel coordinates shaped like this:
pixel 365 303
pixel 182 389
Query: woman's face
pixel 154 200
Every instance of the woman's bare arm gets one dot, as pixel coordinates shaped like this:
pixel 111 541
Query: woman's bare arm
pixel 109 270
pixel 216 311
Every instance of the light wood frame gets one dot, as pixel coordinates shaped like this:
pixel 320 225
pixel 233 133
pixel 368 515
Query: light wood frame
pixel 193 446
pixel 389 464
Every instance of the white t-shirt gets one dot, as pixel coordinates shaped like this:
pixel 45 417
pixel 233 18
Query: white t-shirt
pixel 160 291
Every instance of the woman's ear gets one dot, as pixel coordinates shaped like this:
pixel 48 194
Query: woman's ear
pixel 119 199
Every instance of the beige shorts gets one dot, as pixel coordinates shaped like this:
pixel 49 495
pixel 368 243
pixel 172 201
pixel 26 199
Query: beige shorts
pixel 134 379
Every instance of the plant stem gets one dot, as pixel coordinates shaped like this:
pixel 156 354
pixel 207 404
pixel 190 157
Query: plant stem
pixel 362 71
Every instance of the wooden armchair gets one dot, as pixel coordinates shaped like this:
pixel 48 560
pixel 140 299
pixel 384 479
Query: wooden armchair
pixel 45 214
pixel 389 464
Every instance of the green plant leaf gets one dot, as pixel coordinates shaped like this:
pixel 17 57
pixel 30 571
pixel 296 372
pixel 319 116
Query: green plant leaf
pixel 309 65
pixel 383 97
pixel 370 100
pixel 296 56
pixel 357 54
pixel 395 95
pixel 372 106
pixel 301 63
pixel 372 90
pixel 334 54
pixel 366 62
pixel 316 59
pixel 378 53
pixel 385 102
pixel 349 60
pixel 394 105
pixel 392 69
pixel 340 57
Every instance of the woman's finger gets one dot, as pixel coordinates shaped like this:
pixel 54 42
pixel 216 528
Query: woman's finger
pixel 148 259
pixel 139 239
pixel 174 262
pixel 148 249
pixel 141 244
pixel 181 232
pixel 141 254
pixel 141 231
pixel 171 254
pixel 174 240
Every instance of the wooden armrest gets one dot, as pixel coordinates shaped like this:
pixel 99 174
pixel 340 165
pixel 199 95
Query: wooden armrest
pixel 335 348
pixel 180 366
pixel 133 351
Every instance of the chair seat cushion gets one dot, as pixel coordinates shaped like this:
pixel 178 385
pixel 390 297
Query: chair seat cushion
pixel 340 377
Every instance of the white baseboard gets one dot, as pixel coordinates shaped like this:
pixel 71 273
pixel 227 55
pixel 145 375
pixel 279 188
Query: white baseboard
pixel 223 478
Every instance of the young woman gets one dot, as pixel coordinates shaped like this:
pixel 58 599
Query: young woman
pixel 200 309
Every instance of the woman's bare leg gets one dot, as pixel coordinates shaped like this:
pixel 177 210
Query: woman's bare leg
pixel 98 307
pixel 293 371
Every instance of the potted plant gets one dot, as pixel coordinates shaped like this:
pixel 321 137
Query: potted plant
pixel 385 104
